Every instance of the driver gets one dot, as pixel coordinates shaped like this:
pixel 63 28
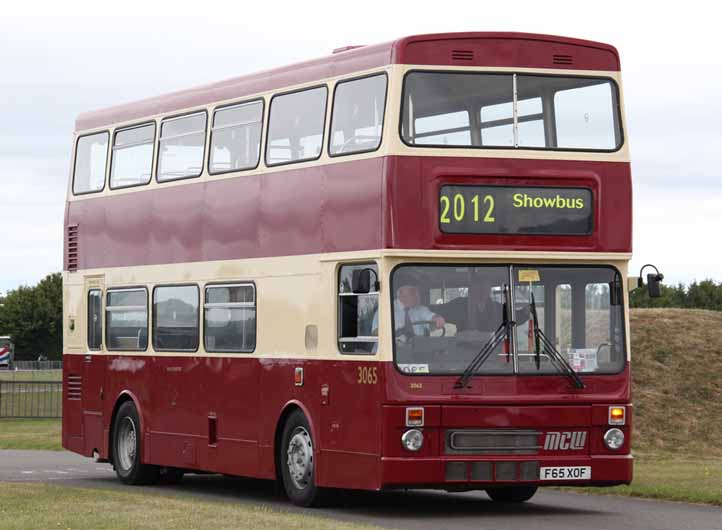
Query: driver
pixel 410 317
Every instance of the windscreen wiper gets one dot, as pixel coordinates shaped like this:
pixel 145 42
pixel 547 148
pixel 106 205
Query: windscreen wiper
pixel 501 333
pixel 542 342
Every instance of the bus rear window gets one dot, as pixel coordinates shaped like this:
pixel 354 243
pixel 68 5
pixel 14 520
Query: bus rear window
pixel 481 110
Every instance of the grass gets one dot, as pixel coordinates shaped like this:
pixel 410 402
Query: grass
pixel 33 505
pixel 31 375
pixel 30 434
pixel 676 367
pixel 671 477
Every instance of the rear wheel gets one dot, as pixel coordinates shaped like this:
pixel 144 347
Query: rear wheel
pixel 511 494
pixel 127 452
pixel 297 462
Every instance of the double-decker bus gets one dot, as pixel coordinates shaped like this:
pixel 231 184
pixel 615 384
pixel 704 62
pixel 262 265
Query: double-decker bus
pixel 402 265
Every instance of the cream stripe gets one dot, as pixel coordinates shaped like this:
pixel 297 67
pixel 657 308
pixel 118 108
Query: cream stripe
pixel 291 292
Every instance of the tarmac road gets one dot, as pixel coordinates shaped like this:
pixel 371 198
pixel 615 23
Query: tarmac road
pixel 414 509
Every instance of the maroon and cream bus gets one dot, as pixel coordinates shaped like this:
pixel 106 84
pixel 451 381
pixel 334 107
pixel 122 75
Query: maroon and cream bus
pixel 399 266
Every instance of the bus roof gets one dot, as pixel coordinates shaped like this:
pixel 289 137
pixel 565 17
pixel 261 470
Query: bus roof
pixel 522 50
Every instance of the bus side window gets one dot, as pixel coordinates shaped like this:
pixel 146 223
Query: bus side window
pixel 95 319
pixel 126 319
pixel 358 115
pixel 91 153
pixel 295 126
pixel 175 318
pixel 358 313
pixel 230 318
pixel 236 137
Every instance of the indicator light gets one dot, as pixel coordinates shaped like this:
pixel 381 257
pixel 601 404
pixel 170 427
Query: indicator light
pixel 617 415
pixel 415 417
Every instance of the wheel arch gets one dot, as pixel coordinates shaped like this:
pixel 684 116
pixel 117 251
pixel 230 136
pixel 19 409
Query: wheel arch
pixel 124 396
pixel 289 408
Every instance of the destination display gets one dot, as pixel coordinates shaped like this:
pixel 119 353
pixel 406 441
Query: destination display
pixel 534 210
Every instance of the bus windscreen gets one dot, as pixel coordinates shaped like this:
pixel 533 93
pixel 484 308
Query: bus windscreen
pixel 507 111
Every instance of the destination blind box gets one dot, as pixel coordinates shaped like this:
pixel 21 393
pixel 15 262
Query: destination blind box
pixel 518 210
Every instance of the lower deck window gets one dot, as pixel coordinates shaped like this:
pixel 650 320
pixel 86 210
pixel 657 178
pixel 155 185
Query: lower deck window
pixel 230 318
pixel 126 319
pixel 175 318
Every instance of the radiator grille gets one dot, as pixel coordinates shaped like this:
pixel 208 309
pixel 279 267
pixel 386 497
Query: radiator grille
pixel 75 387
pixel 462 55
pixel 562 59
pixel 492 442
pixel 71 248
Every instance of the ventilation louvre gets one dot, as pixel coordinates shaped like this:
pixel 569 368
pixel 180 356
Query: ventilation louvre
pixel 558 58
pixel 462 55
pixel 75 387
pixel 71 248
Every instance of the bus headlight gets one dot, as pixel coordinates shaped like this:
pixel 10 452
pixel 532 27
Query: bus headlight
pixel 412 440
pixel 614 439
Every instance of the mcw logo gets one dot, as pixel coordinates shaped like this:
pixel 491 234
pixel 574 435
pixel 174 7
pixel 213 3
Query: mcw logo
pixel 565 441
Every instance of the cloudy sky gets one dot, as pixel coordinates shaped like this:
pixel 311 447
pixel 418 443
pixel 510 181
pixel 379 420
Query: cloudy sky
pixel 92 54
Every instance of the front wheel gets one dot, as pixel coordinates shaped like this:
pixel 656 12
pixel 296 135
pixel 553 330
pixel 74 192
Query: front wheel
pixel 511 494
pixel 296 460
pixel 127 448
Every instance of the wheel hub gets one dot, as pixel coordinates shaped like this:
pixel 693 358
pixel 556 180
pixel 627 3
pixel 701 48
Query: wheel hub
pixel 300 458
pixel 127 441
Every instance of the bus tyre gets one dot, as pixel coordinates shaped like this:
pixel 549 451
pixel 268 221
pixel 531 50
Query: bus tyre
pixel 511 494
pixel 297 462
pixel 127 452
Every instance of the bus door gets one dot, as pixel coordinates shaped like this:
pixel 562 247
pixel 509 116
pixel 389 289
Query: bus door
pixel 94 364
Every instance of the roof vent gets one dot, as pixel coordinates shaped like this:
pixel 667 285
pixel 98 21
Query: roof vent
pixel 348 48
pixel 462 55
pixel 71 248
pixel 562 59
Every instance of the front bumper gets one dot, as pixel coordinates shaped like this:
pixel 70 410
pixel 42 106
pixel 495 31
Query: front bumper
pixel 459 472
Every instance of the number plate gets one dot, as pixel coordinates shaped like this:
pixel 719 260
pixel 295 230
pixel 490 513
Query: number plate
pixel 565 473
pixel 515 210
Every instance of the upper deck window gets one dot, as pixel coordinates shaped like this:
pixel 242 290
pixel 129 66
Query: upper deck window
pixel 482 110
pixel 358 115
pixel 181 147
pixel 295 126
pixel 91 153
pixel 236 137
pixel 132 159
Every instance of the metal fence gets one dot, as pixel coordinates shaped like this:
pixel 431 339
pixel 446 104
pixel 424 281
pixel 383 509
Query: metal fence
pixel 38 365
pixel 31 399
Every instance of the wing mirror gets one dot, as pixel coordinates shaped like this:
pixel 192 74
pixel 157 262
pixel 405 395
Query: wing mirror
pixel 361 281
pixel 654 282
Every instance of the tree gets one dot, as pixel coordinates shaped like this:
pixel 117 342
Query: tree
pixel 33 317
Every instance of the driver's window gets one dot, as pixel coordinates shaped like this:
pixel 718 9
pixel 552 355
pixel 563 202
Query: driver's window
pixel 358 312
pixel 358 115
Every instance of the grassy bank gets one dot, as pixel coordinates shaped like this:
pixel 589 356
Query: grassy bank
pixel 35 505
pixel 671 477
pixel 30 434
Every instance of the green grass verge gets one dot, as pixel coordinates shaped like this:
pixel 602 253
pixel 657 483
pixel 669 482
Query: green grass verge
pixel 671 477
pixel 32 505
pixel 31 375
pixel 30 434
